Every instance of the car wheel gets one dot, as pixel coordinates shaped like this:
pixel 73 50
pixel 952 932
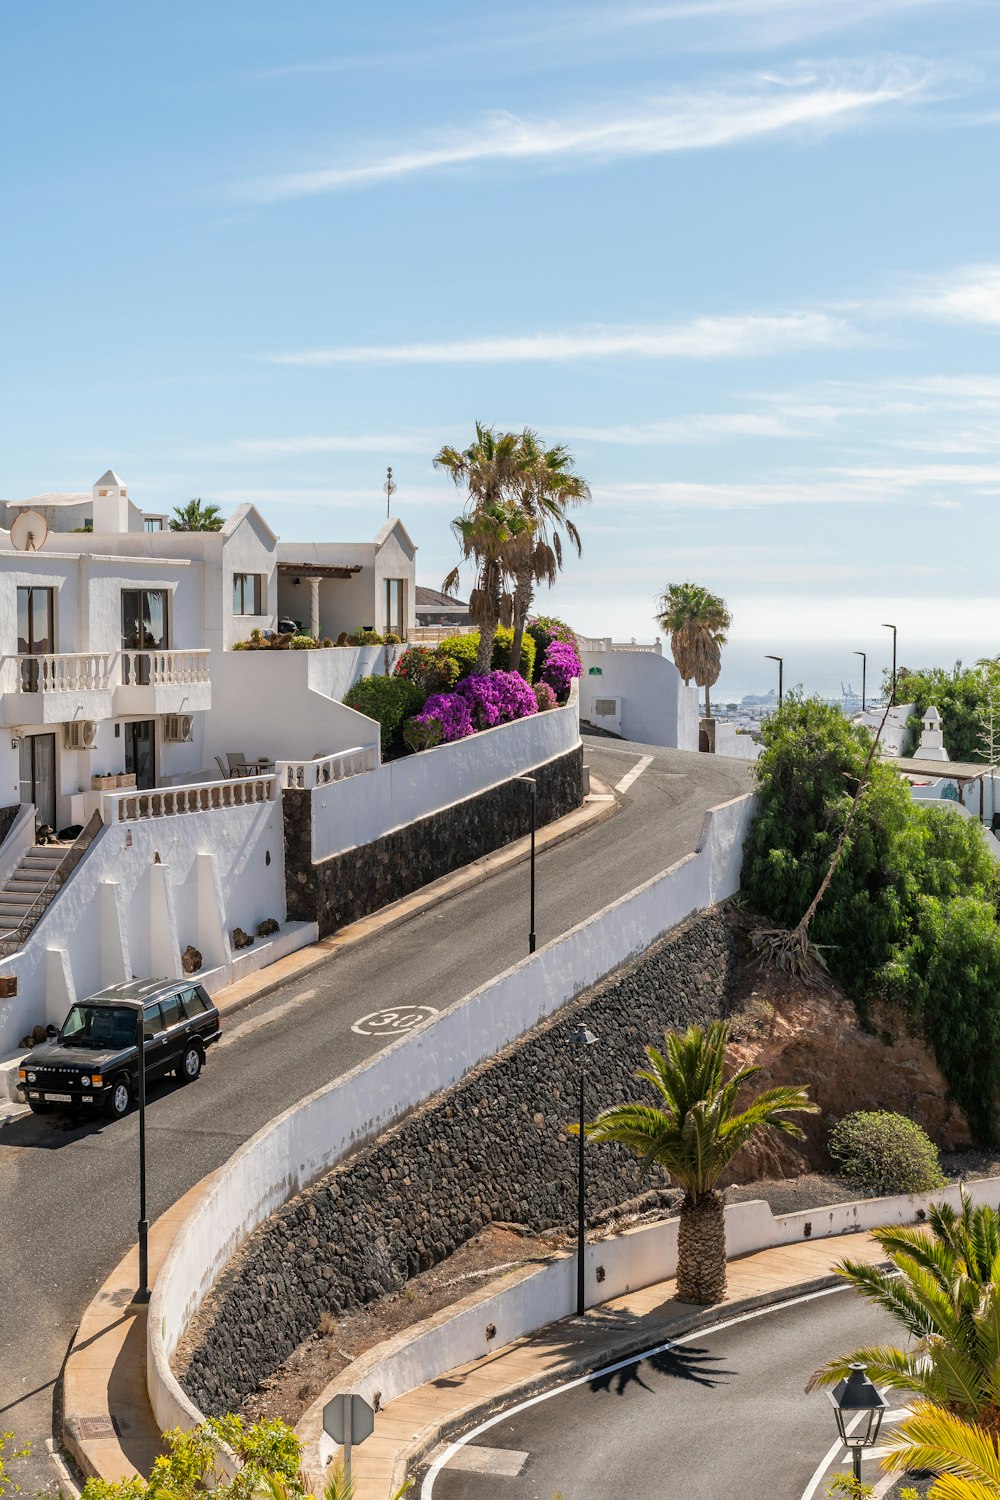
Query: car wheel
pixel 37 1107
pixel 190 1064
pixel 119 1101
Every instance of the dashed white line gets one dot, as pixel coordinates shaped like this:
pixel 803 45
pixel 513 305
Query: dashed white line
pixel 234 1033
pixel 634 774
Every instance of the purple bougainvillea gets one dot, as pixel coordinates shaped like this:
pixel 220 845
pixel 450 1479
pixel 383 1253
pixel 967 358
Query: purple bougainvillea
pixel 447 712
pixel 560 666
pixel 497 698
pixel 544 696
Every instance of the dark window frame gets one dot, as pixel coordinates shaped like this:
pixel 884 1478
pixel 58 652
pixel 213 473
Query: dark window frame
pixel 241 581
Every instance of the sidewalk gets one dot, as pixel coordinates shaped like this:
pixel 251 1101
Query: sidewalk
pixel 410 1428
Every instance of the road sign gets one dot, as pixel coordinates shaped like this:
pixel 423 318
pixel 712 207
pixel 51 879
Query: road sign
pixel 348 1431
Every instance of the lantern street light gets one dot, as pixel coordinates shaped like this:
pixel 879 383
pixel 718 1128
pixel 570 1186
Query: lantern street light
pixel 781 675
pixel 864 669
pixel 581 1039
pixel 859 1408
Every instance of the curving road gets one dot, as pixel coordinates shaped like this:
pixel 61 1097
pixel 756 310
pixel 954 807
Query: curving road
pixel 68 1188
pixel 721 1413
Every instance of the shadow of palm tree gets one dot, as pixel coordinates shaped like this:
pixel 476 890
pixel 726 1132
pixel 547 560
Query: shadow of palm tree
pixel 695 1365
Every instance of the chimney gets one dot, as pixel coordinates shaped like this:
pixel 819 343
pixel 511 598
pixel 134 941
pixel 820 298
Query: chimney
pixel 110 504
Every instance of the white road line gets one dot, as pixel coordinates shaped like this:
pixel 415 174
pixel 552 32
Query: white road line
pixel 427 1488
pixel 234 1033
pixel 634 774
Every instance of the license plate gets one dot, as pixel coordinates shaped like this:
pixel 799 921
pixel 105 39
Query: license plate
pixel 59 1098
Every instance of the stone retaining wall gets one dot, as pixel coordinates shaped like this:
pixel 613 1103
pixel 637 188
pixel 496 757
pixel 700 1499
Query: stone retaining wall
pixel 493 1148
pixel 349 886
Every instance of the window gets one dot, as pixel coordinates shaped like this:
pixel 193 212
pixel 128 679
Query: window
pixel 170 1005
pixel 247 591
pixel 151 1022
pixel 145 628
pixel 35 635
pixel 152 523
pixel 194 1004
pixel 393 623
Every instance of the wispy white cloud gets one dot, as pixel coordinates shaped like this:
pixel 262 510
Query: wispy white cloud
pixel 697 428
pixel 300 446
pixel 759 495
pixel 970 294
pixel 754 23
pixel 702 338
pixel 689 121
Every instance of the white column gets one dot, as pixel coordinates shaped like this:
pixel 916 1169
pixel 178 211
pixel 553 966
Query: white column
pixel 314 608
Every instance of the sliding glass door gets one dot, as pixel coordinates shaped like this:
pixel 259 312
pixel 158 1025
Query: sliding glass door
pixel 140 752
pixel 38 775
pixel 35 633
pixel 144 628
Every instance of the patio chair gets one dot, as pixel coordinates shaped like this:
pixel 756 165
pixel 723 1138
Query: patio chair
pixel 222 766
pixel 238 763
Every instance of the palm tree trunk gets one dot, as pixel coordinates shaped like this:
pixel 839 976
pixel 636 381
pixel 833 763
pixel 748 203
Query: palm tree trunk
pixel 522 603
pixel 708 701
pixel 484 656
pixel 701 1249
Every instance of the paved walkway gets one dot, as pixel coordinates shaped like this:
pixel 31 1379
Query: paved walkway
pixel 410 1427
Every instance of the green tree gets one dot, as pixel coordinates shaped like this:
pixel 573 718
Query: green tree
pixel 942 1285
pixel 962 1454
pixel 698 623
pixel 694 1136
pixel 546 488
pixel 196 517
pixel 960 697
pixel 495 536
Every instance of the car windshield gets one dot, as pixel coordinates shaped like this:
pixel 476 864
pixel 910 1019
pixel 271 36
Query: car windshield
pixel 98 1026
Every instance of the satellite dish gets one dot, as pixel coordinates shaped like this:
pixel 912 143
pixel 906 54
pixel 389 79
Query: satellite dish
pixel 28 531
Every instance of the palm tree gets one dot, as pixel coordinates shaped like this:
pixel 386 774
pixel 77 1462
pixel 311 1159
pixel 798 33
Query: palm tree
pixel 695 1137
pixel 697 622
pixel 963 1456
pixel 944 1291
pixel 546 489
pixel 494 535
pixel 196 517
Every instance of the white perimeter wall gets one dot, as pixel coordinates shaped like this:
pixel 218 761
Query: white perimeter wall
pixel 736 746
pixel 144 891
pixel 346 814
pixel 657 709
pixel 332 1123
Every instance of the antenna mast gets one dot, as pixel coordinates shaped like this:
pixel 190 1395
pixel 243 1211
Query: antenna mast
pixel 390 490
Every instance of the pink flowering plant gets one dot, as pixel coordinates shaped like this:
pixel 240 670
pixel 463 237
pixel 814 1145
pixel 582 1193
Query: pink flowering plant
pixel 561 665
pixel 497 698
pixel 431 672
pixel 445 717
pixel 544 697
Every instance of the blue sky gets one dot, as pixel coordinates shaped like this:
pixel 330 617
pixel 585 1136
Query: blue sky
pixel 741 255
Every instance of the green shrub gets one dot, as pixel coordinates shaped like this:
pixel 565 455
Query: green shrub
pixel 463 648
pixel 422 734
pixel 269 1451
pixel 390 700
pixel 885 1153
pixel 303 643
pixel 431 672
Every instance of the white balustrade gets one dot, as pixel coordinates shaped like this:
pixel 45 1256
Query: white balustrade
pixel 61 672
pixel 324 769
pixel 173 801
pixel 164 668
pixel 605 643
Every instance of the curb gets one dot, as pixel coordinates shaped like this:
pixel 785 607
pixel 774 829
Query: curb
pixel 410 1458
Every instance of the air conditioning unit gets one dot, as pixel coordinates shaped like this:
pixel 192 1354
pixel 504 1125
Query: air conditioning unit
pixel 178 728
pixel 81 734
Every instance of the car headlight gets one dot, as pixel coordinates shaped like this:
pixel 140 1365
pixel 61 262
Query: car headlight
pixel 85 1083
pixel 31 1077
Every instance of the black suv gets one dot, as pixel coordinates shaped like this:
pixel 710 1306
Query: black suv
pixel 94 1058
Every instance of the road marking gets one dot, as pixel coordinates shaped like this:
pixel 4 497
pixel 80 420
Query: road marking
pixel 634 774
pixel 503 1463
pixel 234 1033
pixel 427 1488
pixel 394 1020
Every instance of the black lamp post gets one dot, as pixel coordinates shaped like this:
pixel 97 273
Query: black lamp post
pixel 856 1397
pixel 530 780
pixel 864 669
pixel 143 1294
pixel 892 690
pixel 781 676
pixel 582 1038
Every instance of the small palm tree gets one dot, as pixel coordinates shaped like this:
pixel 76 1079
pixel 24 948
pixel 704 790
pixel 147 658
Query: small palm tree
pixel 963 1456
pixel 495 536
pixel 944 1291
pixel 697 622
pixel 546 488
pixel 695 1136
pixel 196 517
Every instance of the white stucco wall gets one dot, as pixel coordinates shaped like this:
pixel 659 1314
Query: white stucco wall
pixel 657 709
pixel 321 1130
pixel 347 814
pixel 143 892
pixel 736 746
pixel 350 604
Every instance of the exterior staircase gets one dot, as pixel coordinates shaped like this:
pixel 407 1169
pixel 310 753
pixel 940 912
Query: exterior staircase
pixel 30 879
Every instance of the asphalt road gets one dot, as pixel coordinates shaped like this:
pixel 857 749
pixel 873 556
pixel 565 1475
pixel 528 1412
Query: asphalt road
pixel 68 1188
pixel 722 1414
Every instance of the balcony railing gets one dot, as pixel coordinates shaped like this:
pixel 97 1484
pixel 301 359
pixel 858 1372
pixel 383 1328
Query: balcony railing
pixel 164 668
pixel 62 672
pixel 599 643
pixel 173 801
pixel 324 769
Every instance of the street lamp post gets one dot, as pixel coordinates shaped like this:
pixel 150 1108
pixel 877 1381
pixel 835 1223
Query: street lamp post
pixel 143 1294
pixel 858 1408
pixel 864 669
pixel 892 690
pixel 781 676
pixel 530 781
pixel 582 1038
